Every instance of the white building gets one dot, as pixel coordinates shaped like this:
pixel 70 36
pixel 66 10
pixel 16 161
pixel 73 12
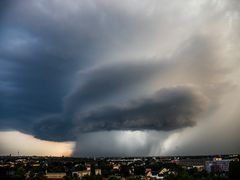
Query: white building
pixel 218 165
pixel 82 173
pixel 98 172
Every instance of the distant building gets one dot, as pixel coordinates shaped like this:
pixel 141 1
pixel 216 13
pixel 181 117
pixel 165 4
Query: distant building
pixel 163 171
pixel 36 165
pixel 116 166
pixel 98 172
pixel 55 176
pixel 88 167
pixel 218 165
pixel 154 175
pixel 147 170
pixel 217 159
pixel 82 173
pixel 198 163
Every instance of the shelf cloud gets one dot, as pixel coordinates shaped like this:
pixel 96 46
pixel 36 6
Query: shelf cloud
pixel 89 71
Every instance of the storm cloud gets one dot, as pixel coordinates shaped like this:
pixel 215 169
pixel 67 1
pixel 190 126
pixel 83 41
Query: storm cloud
pixel 168 109
pixel 85 70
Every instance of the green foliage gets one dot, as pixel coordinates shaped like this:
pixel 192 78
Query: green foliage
pixel 124 171
pixel 133 178
pixel 93 177
pixel 114 178
pixel 139 170
pixel 20 173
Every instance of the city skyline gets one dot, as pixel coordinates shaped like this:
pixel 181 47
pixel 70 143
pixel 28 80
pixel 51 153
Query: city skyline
pixel 119 78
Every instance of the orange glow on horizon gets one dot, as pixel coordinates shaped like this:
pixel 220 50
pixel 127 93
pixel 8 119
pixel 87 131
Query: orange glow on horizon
pixel 13 142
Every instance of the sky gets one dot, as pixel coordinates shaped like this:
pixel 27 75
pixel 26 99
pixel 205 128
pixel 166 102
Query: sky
pixel 119 78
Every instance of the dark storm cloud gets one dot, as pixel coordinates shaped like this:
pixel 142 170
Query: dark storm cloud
pixel 82 30
pixel 111 84
pixel 42 48
pixel 168 109
pixel 54 128
pixel 4 7
pixel 69 70
pixel 96 86
pixel 105 82
pixel 33 85
pixel 38 64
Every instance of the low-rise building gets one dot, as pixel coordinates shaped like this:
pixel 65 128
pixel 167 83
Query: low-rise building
pixel 82 173
pixel 155 175
pixel 98 172
pixel 218 165
pixel 55 176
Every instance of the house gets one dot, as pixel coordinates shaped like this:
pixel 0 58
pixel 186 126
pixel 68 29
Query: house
pixel 82 173
pixel 218 165
pixel 55 176
pixel 155 175
pixel 98 172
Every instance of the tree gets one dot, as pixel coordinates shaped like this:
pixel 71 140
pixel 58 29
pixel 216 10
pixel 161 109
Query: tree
pixel 234 170
pixel 20 173
pixel 124 171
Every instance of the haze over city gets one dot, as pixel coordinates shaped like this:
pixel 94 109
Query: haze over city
pixel 119 78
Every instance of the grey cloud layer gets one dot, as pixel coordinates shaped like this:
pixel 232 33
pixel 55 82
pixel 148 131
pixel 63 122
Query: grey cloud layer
pixel 70 68
pixel 120 83
pixel 168 109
